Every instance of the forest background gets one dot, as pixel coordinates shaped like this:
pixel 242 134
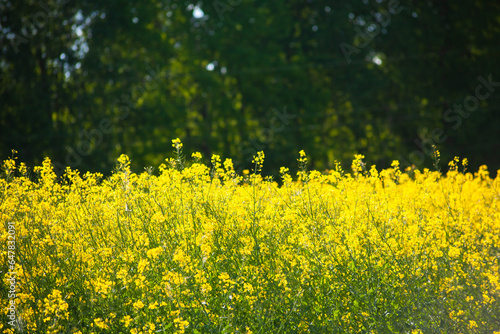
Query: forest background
pixel 84 81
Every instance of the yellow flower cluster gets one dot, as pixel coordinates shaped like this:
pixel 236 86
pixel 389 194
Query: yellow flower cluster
pixel 176 143
pixel 200 249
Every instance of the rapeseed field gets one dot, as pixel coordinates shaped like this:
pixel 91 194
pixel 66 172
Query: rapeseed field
pixel 201 249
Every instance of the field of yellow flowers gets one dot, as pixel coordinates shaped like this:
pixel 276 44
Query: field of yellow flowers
pixel 200 249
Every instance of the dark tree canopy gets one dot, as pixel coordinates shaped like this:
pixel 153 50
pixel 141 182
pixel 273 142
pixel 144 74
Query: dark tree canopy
pixel 83 81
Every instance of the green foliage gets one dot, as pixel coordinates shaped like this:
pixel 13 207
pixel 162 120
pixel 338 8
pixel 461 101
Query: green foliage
pixel 84 81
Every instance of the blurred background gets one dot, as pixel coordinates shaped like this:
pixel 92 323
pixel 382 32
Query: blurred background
pixel 84 81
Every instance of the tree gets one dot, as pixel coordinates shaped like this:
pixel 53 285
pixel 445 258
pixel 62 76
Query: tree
pixel 84 81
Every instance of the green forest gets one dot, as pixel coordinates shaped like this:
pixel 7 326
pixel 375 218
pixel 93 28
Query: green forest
pixel 85 81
